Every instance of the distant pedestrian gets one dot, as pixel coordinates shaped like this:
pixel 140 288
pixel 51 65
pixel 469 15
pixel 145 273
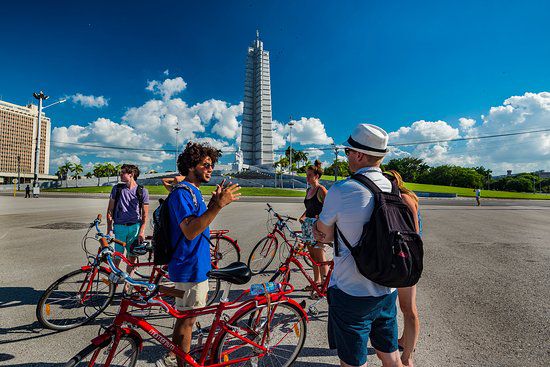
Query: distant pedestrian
pixel 478 197
pixel 359 309
pixel 27 192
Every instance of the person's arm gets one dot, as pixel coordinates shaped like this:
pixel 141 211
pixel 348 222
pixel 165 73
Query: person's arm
pixel 110 211
pixel 144 216
pixel 167 183
pixel 323 230
pixel 413 207
pixel 221 197
pixel 302 217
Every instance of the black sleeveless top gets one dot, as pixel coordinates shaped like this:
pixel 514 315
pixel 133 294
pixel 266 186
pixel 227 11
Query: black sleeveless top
pixel 313 205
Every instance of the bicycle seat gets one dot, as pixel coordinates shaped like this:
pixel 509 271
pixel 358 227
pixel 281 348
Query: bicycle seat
pixel 236 273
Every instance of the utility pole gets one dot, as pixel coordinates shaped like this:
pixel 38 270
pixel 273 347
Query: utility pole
pixel 41 97
pixel 290 155
pixel 18 172
pixel 177 128
pixel 335 160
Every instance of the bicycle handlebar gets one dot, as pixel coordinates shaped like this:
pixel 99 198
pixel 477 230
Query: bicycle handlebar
pixel 107 253
pixel 280 217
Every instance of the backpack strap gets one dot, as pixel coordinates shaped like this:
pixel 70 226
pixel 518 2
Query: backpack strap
pixel 118 192
pixel 394 187
pixel 181 185
pixel 367 182
pixel 139 194
pixel 338 233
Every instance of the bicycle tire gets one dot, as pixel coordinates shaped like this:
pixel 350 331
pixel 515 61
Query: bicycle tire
pixel 97 302
pixel 287 335
pixel 259 252
pixel 125 356
pixel 223 251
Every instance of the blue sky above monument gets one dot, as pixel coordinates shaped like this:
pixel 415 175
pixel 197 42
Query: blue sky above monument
pixel 426 71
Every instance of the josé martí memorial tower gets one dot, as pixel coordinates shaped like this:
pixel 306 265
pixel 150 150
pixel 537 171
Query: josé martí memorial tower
pixel 257 134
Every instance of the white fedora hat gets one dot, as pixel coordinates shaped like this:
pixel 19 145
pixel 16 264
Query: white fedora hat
pixel 368 139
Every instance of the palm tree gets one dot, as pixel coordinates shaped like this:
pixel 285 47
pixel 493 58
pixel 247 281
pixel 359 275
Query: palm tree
pixel 64 169
pixel 77 169
pixel 88 175
pixel 110 170
pixel 99 171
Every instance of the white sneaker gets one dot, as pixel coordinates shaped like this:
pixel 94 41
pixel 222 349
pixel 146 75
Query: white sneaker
pixel 167 361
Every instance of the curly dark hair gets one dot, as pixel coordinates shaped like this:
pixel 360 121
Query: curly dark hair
pixel 316 168
pixel 194 153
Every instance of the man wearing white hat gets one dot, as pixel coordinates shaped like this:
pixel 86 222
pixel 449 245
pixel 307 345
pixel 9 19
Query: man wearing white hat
pixel 359 309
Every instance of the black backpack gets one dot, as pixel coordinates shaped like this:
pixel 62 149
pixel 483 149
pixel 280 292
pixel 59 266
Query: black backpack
pixel 163 247
pixel 390 251
pixel 139 194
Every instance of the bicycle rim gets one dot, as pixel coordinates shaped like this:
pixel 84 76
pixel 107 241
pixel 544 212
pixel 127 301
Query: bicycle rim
pixel 262 255
pixel 75 299
pixel 223 252
pixel 125 355
pixel 285 339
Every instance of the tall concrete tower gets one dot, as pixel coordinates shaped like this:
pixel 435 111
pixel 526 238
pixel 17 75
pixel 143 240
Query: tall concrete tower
pixel 257 134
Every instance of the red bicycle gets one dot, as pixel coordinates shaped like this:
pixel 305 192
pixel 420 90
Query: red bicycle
pixel 268 329
pixel 283 274
pixel 264 251
pixel 80 296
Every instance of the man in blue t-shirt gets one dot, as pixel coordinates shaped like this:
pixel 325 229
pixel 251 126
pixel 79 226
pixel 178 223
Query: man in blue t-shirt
pixel 189 221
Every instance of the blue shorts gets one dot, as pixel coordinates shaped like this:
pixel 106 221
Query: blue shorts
pixel 128 234
pixel 353 320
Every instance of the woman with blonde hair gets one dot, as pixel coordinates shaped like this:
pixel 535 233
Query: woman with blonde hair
pixel 315 196
pixel 407 296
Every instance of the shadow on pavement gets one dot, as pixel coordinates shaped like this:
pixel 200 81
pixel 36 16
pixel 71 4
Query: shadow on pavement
pixel 18 296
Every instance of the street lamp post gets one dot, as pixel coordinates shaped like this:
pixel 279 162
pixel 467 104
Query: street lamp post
pixel 18 172
pixel 335 160
pixel 41 97
pixel 290 155
pixel 177 128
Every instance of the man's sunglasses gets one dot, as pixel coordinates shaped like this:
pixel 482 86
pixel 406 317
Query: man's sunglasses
pixel 208 165
pixel 347 150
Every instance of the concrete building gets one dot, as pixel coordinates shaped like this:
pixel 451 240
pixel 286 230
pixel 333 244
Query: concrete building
pixel 18 129
pixel 256 138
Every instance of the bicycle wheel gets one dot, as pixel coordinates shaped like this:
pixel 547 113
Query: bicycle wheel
pixel 223 251
pixel 213 290
pixel 284 336
pixel 262 254
pixel 126 354
pixel 75 299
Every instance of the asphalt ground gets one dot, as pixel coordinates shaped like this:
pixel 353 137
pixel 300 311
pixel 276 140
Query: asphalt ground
pixel 483 299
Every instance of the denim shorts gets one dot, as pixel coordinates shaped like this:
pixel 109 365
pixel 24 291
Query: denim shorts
pixel 353 320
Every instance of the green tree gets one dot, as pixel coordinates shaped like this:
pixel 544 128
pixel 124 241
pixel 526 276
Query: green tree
pixel 88 175
pixel 409 168
pixel 64 170
pixel 77 169
pixel 98 171
pixel 520 184
pixel 342 168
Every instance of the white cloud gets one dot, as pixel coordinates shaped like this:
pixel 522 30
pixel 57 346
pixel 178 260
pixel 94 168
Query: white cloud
pixel 166 72
pixel 314 153
pixel 62 158
pixel 466 123
pixel 306 131
pixel 168 87
pixel 215 143
pixel 89 101
pixel 225 114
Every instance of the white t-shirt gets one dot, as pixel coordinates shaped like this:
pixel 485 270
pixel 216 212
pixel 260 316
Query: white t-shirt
pixel 349 205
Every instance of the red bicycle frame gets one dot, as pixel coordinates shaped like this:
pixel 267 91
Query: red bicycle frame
pixel 218 327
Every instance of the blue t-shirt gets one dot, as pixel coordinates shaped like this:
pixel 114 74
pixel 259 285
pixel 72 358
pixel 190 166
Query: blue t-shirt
pixel 191 260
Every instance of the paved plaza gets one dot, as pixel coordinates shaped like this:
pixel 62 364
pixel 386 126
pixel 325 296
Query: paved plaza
pixel 483 298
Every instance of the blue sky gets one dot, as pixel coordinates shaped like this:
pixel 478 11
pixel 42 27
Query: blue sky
pixel 437 64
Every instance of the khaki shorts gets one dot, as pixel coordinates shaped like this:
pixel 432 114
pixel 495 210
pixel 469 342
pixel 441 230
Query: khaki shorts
pixel 194 296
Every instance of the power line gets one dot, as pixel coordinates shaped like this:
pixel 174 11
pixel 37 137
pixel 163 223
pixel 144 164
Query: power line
pixel 326 148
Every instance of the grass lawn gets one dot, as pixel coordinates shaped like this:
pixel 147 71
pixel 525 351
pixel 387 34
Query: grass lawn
pixel 271 191
pixel 462 191
pixel 206 190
